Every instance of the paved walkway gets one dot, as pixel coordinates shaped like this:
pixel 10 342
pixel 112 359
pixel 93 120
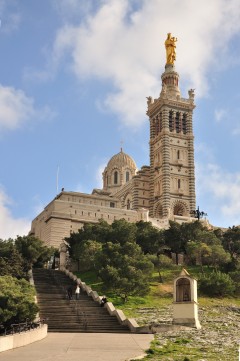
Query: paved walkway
pixel 81 347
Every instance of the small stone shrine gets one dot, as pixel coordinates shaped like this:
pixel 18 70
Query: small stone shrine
pixel 185 306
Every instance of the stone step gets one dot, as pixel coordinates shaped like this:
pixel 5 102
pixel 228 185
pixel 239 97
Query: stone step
pixel 63 315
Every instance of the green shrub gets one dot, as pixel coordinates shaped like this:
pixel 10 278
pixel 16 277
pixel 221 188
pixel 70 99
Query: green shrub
pixel 235 276
pixel 216 284
pixel 16 301
pixel 165 262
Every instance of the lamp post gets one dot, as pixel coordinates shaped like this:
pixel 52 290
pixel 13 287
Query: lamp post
pixel 197 213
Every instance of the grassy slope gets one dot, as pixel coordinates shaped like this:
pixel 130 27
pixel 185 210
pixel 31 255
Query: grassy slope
pixel 220 320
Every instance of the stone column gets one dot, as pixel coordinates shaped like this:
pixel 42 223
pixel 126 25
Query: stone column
pixel 63 256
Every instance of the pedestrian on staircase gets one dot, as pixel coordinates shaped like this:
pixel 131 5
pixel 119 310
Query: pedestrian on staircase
pixel 77 292
pixel 103 301
pixel 69 292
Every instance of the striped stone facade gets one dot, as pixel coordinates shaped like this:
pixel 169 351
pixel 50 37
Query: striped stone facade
pixel 172 179
pixel 162 191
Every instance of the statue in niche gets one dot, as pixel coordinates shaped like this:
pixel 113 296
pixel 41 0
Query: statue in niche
pixel 170 45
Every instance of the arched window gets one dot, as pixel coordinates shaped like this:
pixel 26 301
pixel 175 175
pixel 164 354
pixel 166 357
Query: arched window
pixel 127 176
pixel 171 125
pixel 177 122
pixel 179 183
pixel 115 180
pixel 183 290
pixel 184 123
pixel 178 154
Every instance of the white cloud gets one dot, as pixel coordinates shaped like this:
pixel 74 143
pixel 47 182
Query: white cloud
pixel 70 9
pixel 221 191
pixel 10 16
pixel 236 131
pixel 220 114
pixel 99 173
pixel 15 108
pixel 10 227
pixel 125 45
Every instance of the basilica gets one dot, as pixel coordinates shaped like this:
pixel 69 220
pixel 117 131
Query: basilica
pixel 161 191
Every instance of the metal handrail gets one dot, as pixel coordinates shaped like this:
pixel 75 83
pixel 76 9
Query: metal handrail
pixel 23 326
pixel 74 304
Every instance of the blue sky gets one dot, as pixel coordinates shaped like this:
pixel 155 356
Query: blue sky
pixel 74 78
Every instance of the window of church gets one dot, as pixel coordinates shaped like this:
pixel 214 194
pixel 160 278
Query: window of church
pixel 127 176
pixel 171 125
pixel 179 183
pixel 156 126
pixel 160 122
pixel 115 177
pixel 184 123
pixel 177 122
pixel 178 154
pixel 112 204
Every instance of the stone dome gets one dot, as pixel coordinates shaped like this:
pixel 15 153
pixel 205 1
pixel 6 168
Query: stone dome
pixel 119 170
pixel 120 160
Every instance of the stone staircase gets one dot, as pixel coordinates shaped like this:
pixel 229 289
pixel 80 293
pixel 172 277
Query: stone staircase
pixel 64 315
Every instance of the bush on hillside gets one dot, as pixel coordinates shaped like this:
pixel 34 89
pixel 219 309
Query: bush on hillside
pixel 216 284
pixel 235 276
pixel 17 301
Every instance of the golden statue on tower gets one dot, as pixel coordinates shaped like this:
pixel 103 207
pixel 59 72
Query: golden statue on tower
pixel 170 45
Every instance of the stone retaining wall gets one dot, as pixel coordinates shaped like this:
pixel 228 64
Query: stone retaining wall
pixel 22 339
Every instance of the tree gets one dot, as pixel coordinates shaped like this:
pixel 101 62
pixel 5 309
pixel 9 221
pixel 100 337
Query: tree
pixel 84 253
pixel 33 251
pixel 124 268
pixel 198 252
pixel 11 261
pixel 174 239
pixel 218 256
pixel 231 243
pixel 149 238
pixel 16 301
pixel 123 231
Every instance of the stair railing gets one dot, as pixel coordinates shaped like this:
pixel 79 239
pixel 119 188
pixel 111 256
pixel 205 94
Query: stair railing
pixel 73 303
pixel 59 284
pixel 81 315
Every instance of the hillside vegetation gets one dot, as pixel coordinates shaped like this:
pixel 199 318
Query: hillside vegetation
pixel 132 265
pixel 17 257
pixel 219 317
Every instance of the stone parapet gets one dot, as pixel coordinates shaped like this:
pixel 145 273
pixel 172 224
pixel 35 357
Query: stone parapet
pixel 22 339
pixel 129 322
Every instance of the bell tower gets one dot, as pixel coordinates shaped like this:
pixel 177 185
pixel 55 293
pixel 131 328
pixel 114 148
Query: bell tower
pixel 172 179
